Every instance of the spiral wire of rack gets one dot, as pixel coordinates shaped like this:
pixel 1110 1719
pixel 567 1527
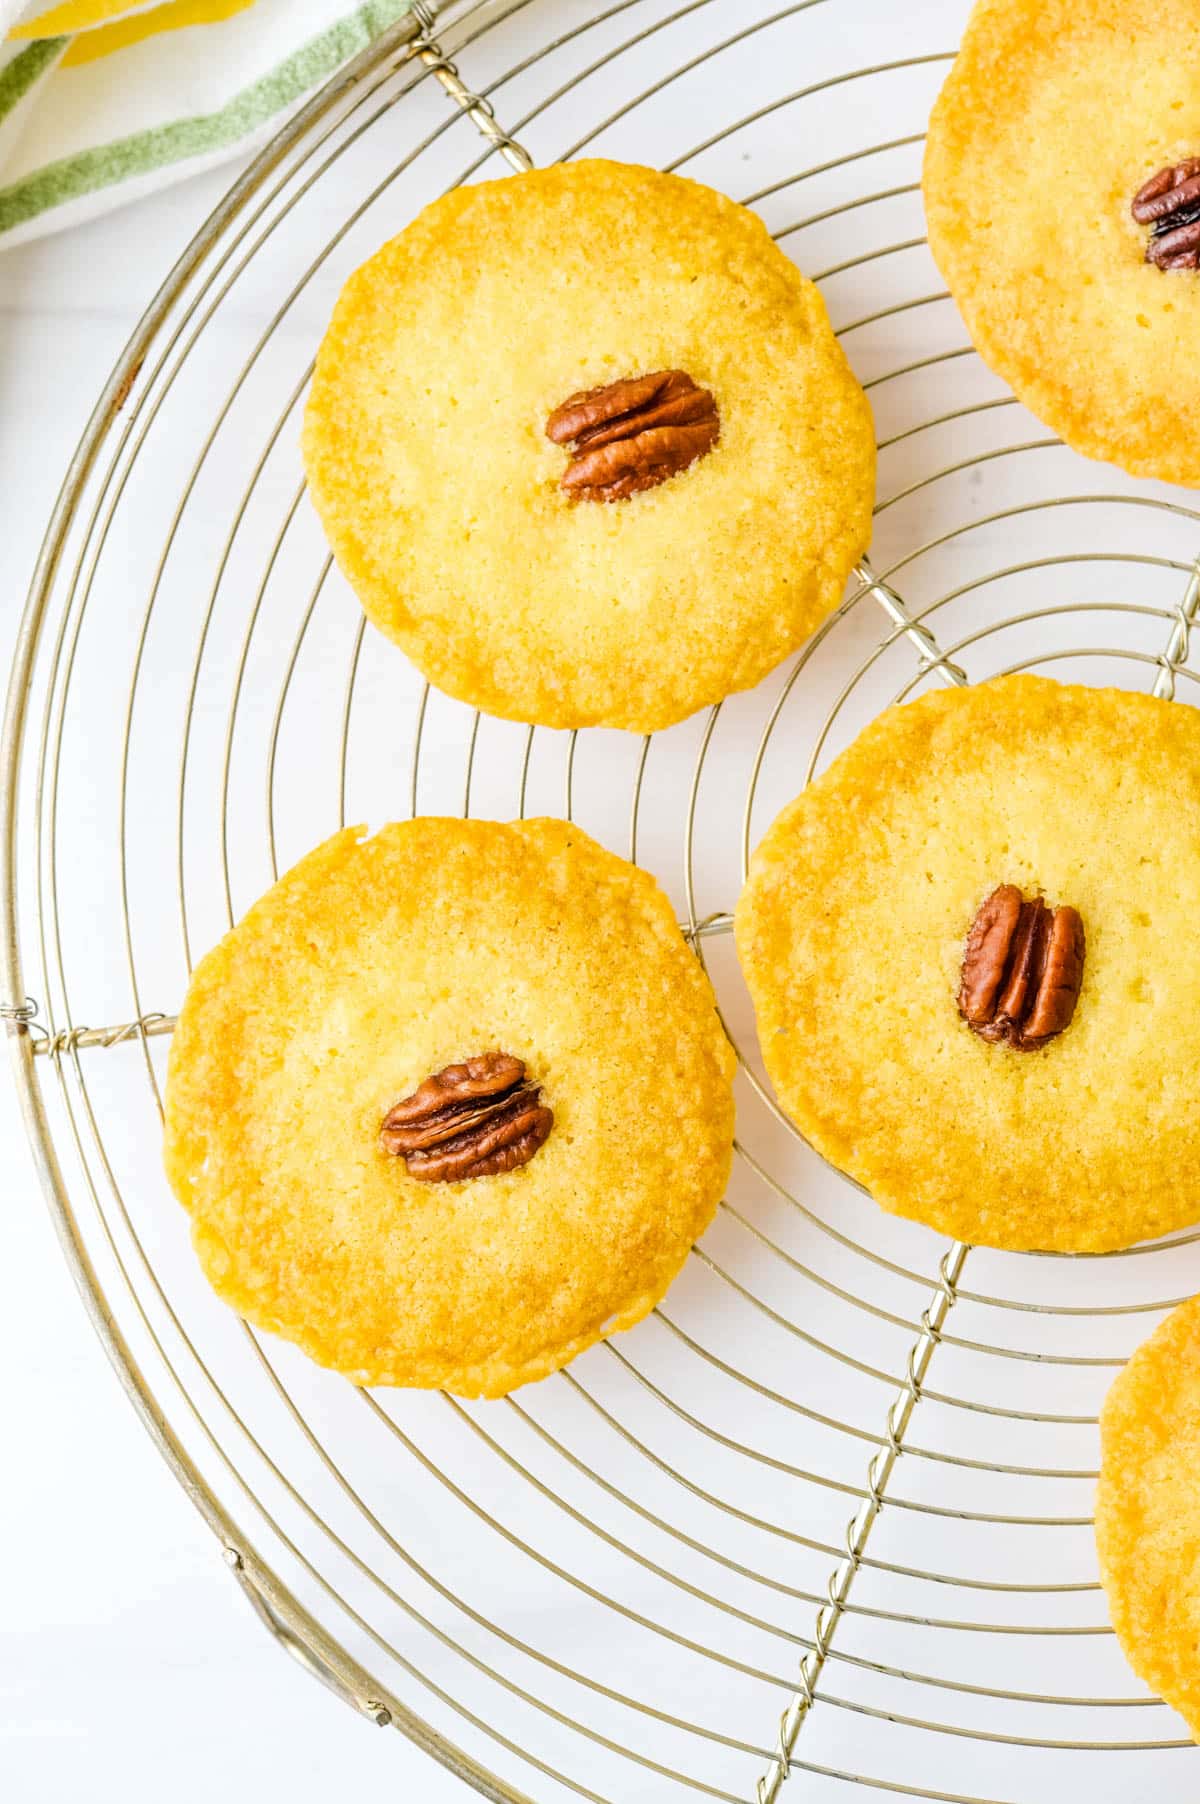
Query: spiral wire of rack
pixel 637 1580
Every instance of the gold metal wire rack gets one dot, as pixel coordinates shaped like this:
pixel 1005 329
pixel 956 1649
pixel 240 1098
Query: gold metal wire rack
pixel 636 1580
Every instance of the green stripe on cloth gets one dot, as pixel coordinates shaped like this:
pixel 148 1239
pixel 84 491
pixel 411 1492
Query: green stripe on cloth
pixel 107 164
pixel 18 76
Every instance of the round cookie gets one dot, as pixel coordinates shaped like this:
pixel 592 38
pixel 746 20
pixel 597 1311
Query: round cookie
pixel 1054 115
pixel 1148 1510
pixel 376 964
pixel 852 933
pixel 429 463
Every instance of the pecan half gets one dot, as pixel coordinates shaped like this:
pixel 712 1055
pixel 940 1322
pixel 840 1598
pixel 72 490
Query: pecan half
pixel 468 1121
pixel 1022 970
pixel 633 434
pixel 1169 203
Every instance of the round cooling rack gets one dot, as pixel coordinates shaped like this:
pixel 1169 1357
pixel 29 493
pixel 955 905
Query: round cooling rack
pixel 823 1520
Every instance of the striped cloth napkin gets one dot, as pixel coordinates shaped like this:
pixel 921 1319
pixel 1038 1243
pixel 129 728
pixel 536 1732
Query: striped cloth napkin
pixel 103 100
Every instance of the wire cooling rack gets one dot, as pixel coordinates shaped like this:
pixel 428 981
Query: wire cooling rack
pixel 634 1581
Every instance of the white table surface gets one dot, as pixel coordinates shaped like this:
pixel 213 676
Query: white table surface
pixel 130 1666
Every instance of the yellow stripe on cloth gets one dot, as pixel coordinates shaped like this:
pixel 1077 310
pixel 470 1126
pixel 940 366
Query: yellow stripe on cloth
pixel 171 16
pixel 72 15
pixel 115 24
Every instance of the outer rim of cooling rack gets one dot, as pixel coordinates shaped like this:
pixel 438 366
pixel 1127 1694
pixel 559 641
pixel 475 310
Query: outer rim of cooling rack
pixel 294 1626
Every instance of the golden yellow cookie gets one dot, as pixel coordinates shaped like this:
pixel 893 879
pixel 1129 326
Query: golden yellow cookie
pixel 1052 118
pixel 1148 1510
pixel 852 931
pixel 428 461
pixel 375 964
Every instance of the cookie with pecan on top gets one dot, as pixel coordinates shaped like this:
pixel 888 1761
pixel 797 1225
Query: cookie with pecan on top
pixel 1063 208
pixel 587 449
pixel 970 952
pixel 1148 1510
pixel 450 1103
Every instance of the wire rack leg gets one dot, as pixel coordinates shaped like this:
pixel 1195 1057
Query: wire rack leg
pixel 478 110
pixel 1179 643
pixel 858 1532
pixel 304 1655
pixel 933 658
